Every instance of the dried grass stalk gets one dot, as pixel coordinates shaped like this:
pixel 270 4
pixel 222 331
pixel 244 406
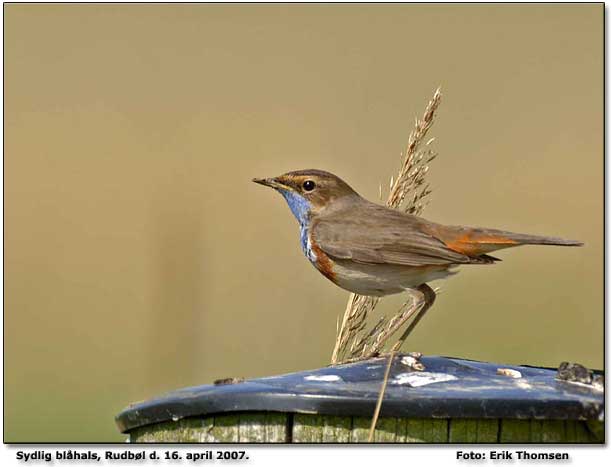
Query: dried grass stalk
pixel 408 191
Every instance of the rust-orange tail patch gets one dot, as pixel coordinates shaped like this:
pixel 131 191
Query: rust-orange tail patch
pixel 472 245
pixel 477 241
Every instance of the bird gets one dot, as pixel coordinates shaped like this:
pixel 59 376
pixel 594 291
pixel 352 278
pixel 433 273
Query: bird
pixel 373 250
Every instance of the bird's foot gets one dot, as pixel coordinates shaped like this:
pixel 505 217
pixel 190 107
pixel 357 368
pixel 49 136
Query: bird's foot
pixel 410 360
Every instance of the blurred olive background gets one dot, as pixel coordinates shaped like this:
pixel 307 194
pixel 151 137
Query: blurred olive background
pixel 140 258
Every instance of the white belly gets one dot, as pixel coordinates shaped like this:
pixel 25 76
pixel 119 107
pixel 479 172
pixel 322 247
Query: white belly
pixel 384 279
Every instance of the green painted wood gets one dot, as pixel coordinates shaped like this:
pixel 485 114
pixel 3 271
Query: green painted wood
pixel 401 430
pixel 463 431
pixel 336 429
pixel 252 428
pixel 260 427
pixel 577 431
pixel 206 433
pixel 182 431
pixel 426 430
pixel 536 431
pixel 515 431
pixel 307 428
pixel 488 430
pixel 597 430
pixel 386 430
pixel 547 431
pixel 226 428
pixel 360 429
pixel 276 427
pixel 435 430
pixel 414 430
pixel 553 431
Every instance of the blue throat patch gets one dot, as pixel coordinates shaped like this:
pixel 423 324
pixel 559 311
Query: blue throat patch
pixel 300 207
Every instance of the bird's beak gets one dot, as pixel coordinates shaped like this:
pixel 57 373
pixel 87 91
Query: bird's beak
pixel 270 182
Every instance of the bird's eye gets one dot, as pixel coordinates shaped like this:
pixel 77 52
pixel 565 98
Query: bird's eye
pixel 309 185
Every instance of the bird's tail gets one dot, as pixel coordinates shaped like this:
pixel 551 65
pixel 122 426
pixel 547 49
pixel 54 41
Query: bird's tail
pixel 477 241
pixel 525 239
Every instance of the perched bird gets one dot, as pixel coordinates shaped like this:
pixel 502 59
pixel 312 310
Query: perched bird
pixel 374 250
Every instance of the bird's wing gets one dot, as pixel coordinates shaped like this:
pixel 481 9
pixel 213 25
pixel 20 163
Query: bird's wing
pixel 377 235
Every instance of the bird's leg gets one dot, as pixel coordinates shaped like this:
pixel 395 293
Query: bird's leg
pixel 420 295
pixel 425 301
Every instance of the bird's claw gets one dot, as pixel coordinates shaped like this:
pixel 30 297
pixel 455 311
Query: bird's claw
pixel 412 360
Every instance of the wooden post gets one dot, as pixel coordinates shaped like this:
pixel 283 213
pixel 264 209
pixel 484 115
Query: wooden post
pixel 241 428
pixel 451 401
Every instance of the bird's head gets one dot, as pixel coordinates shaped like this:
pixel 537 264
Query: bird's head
pixel 308 191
